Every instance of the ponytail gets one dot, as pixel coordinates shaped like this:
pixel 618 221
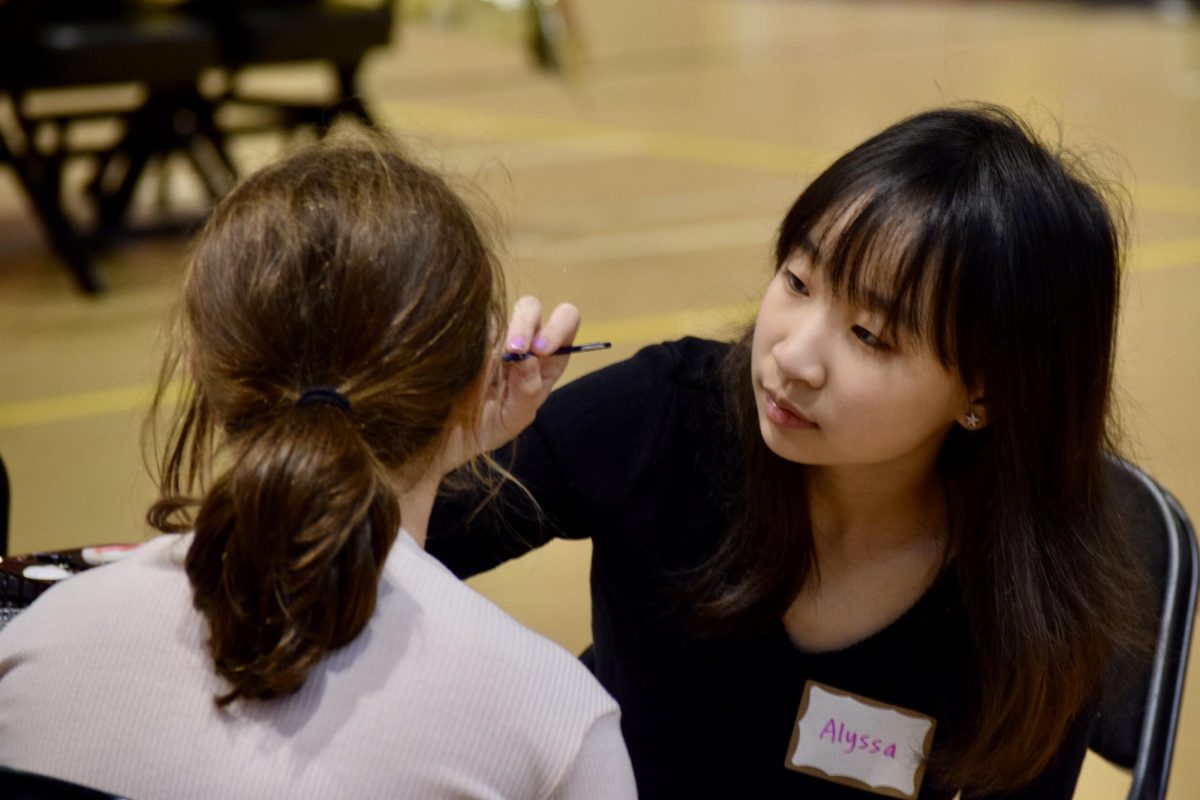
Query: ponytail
pixel 288 548
pixel 345 265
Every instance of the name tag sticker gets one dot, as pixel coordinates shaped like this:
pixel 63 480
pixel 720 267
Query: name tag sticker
pixel 858 742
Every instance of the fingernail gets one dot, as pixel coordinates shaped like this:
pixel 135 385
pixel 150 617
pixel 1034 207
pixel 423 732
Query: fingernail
pixel 541 343
pixel 517 343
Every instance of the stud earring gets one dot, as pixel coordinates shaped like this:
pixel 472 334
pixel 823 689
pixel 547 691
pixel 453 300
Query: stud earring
pixel 972 420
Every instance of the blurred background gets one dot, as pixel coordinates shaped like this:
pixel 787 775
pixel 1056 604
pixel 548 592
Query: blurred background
pixel 633 156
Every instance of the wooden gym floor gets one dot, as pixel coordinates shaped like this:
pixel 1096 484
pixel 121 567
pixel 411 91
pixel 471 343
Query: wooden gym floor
pixel 646 189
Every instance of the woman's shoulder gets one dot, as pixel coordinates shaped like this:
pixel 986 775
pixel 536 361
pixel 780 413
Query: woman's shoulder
pixel 148 570
pixel 509 664
pixel 639 389
pixel 605 430
pixel 689 360
pixel 491 685
pixel 126 606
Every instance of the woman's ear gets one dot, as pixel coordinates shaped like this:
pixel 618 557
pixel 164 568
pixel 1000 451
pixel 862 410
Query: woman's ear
pixel 975 417
pixel 461 442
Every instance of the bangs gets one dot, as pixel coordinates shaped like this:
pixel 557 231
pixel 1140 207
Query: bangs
pixel 887 253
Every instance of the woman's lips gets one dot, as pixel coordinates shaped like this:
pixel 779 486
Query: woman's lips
pixel 783 415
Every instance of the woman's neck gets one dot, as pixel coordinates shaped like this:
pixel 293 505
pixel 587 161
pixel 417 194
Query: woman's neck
pixel 862 510
pixel 416 504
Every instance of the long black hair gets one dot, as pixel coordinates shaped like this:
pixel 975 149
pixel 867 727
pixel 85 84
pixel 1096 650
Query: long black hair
pixel 1003 259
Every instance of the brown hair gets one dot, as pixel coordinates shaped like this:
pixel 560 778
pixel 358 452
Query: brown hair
pixel 346 266
pixel 1007 269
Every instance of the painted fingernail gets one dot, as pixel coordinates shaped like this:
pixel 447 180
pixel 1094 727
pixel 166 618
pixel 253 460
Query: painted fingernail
pixel 517 343
pixel 541 343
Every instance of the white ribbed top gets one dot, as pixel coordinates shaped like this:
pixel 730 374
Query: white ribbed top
pixel 104 681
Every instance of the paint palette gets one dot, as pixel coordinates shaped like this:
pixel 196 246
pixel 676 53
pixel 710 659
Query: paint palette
pixel 23 578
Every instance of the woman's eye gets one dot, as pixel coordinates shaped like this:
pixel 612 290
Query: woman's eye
pixel 795 284
pixel 868 338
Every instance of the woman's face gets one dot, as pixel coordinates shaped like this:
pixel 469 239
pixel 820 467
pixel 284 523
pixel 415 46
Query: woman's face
pixel 831 391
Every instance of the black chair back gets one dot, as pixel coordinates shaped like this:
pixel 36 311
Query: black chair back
pixel 51 44
pixel 5 502
pixel 1137 724
pixel 18 785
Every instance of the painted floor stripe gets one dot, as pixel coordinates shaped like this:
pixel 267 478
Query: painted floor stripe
pixel 1164 255
pixel 673 240
pixel 721 321
pixel 75 406
pixel 587 137
pixel 718 151
pixel 1161 197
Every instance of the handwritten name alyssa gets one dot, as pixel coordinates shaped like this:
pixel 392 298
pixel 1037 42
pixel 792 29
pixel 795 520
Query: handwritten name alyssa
pixel 837 733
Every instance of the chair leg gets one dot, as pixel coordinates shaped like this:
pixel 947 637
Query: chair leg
pixel 350 102
pixel 36 178
pixel 180 120
pixel 216 183
pixel 112 205
pixel 208 152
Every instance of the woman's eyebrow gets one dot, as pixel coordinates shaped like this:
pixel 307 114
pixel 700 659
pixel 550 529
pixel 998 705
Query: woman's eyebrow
pixel 878 303
pixel 875 301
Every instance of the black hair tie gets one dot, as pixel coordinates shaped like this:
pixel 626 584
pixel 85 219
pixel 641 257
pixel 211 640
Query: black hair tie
pixel 324 395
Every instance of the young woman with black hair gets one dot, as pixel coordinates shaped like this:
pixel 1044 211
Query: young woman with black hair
pixel 337 342
pixel 868 548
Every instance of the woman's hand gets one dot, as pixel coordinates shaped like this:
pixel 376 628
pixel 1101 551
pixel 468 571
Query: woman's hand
pixel 522 386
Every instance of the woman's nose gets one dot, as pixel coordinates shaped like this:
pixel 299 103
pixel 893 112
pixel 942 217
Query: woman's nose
pixel 802 353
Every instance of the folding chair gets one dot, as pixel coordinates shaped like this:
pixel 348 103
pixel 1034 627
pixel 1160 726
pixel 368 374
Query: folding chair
pixel 1136 726
pixel 55 44
pixel 331 32
pixel 5 501
pixel 18 785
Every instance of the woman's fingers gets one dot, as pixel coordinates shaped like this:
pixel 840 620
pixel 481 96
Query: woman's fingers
pixel 559 330
pixel 525 384
pixel 523 324
pixel 528 334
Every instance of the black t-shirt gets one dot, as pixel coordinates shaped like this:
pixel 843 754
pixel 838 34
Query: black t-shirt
pixel 639 458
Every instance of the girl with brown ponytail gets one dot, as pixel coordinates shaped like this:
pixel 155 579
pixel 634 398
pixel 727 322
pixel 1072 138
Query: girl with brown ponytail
pixel 289 637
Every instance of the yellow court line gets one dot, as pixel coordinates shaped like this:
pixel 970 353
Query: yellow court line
pixel 67 407
pixel 590 137
pixel 1162 197
pixel 606 139
pixel 75 406
pixel 1163 255
pixel 720 321
pixel 693 148
pixel 661 241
